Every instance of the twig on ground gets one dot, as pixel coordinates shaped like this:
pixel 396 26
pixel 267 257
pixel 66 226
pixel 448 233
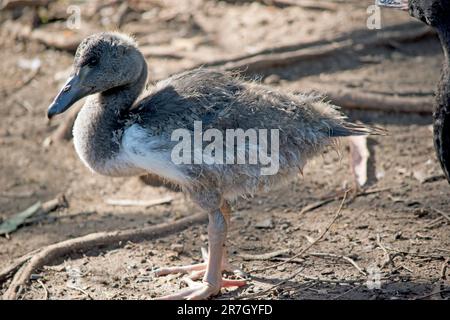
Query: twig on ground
pixel 45 289
pixel 389 258
pixel 339 296
pixel 54 251
pixel 51 205
pixel 338 256
pixel 81 290
pixel 432 294
pixel 336 216
pixel 318 279
pixel 443 214
pixel 350 281
pixel 298 261
pixel 308 278
pixel 444 268
pixel 335 197
pixel 426 256
pixel 434 222
pixel 306 4
pixel 9 194
pixel 373 191
pixel 138 203
pixel 251 296
pixel 317 204
pixel 402 266
pixel 432 178
pixel 264 256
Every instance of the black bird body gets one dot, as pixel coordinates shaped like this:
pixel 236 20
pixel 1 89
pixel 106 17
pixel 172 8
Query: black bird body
pixel 441 113
pixel 435 13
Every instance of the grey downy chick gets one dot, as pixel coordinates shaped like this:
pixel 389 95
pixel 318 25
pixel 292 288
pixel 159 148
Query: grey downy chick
pixel 119 133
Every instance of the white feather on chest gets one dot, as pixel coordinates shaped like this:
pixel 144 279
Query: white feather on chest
pixel 142 150
pixel 137 150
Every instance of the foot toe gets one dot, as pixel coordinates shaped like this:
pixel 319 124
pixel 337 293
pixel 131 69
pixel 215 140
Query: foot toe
pixel 195 291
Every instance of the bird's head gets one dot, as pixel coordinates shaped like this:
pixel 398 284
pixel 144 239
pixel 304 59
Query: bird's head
pixel 435 13
pixel 102 61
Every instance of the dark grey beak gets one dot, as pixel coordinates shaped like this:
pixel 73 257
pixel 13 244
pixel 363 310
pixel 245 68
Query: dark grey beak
pixel 395 4
pixel 71 92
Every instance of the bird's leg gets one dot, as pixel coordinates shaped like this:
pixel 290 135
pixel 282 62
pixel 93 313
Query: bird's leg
pixel 198 270
pixel 226 265
pixel 212 280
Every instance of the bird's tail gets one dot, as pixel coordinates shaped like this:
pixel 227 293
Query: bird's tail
pixel 347 129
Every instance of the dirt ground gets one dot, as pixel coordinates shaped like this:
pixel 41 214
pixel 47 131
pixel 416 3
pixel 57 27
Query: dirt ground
pixel 402 218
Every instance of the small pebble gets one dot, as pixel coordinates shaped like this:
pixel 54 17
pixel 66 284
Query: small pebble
pixel 178 248
pixel 264 224
pixel 272 79
pixel 35 276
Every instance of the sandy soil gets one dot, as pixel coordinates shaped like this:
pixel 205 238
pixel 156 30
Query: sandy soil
pixel 399 216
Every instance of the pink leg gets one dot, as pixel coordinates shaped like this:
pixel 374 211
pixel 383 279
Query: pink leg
pixel 212 279
pixel 197 271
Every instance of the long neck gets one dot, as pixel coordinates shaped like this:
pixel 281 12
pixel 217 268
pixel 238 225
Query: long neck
pixel 97 130
pixel 121 98
pixel 442 110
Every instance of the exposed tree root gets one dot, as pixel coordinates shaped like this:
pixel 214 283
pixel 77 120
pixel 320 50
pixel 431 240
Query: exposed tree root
pixel 48 35
pixel 13 267
pixel 306 4
pixel 287 55
pixel 276 60
pixel 321 5
pixel 13 4
pixel 47 254
pixel 355 99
